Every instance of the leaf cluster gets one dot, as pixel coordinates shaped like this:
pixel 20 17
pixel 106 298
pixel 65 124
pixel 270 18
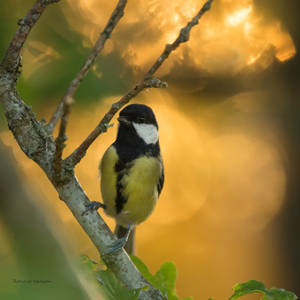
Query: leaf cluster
pixel 112 289
pixel 253 286
pixel 164 280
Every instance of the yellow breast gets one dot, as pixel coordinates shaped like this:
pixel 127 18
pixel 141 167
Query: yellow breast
pixel 140 190
pixel 139 187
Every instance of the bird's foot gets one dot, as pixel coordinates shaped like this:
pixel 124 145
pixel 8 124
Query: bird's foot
pixel 119 243
pixel 116 245
pixel 93 206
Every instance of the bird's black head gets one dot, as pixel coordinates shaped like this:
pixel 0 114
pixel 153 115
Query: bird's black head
pixel 138 114
pixel 138 127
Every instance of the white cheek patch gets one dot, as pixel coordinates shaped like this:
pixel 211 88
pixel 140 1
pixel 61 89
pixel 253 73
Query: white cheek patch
pixel 147 132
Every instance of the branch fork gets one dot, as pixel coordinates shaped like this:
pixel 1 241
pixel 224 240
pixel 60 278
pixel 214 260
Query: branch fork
pixel 36 140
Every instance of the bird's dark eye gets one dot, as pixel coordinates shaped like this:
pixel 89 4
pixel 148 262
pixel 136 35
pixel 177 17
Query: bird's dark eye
pixel 140 119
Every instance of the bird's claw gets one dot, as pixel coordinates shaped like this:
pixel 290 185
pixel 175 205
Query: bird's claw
pixel 116 245
pixel 93 206
pixel 120 242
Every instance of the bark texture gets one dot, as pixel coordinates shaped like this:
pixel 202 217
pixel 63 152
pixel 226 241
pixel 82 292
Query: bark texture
pixel 36 140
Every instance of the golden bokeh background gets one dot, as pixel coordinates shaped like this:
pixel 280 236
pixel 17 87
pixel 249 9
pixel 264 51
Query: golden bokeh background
pixel 225 160
pixel 221 191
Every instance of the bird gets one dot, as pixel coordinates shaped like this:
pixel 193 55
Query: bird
pixel 132 172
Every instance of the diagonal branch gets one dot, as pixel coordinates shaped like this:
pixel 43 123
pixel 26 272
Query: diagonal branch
pixel 99 45
pixel 183 37
pixel 147 82
pixel 28 132
pixel 61 138
pixel 40 146
pixel 11 61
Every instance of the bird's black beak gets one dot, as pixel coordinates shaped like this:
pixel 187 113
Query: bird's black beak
pixel 123 120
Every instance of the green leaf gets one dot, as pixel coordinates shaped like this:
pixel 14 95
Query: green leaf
pixel 112 288
pixel 165 278
pixel 254 286
pixel 248 287
pixel 142 268
pixel 279 294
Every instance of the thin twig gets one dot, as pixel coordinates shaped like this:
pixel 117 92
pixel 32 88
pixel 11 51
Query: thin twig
pixel 61 138
pixel 39 146
pixel 12 60
pixel 99 45
pixel 64 108
pixel 77 155
pixel 147 82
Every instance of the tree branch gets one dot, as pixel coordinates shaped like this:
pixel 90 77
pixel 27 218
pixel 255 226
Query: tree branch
pixel 38 145
pixel 183 37
pixel 36 142
pixel 64 108
pixel 119 262
pixel 61 138
pixel 99 45
pixel 147 82
pixel 11 61
pixel 29 133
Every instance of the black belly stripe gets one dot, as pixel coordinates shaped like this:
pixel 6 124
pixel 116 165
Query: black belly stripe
pixel 120 200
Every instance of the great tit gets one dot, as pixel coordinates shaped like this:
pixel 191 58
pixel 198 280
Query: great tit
pixel 131 170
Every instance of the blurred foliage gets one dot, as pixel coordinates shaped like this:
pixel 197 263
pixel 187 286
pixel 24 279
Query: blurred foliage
pixel 253 286
pixel 113 289
pixel 33 263
pixel 110 287
pixel 50 76
pixel 164 280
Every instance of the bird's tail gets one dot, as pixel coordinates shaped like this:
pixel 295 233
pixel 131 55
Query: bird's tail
pixel 120 232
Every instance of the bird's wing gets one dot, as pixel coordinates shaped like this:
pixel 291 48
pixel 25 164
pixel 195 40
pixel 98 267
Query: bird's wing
pixel 161 180
pixel 121 169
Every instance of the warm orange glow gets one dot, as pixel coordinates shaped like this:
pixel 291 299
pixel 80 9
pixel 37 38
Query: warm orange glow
pixel 222 188
pixel 239 16
pixel 209 172
pixel 228 39
pixel 282 42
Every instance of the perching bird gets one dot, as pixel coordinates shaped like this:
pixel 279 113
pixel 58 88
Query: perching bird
pixel 132 173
